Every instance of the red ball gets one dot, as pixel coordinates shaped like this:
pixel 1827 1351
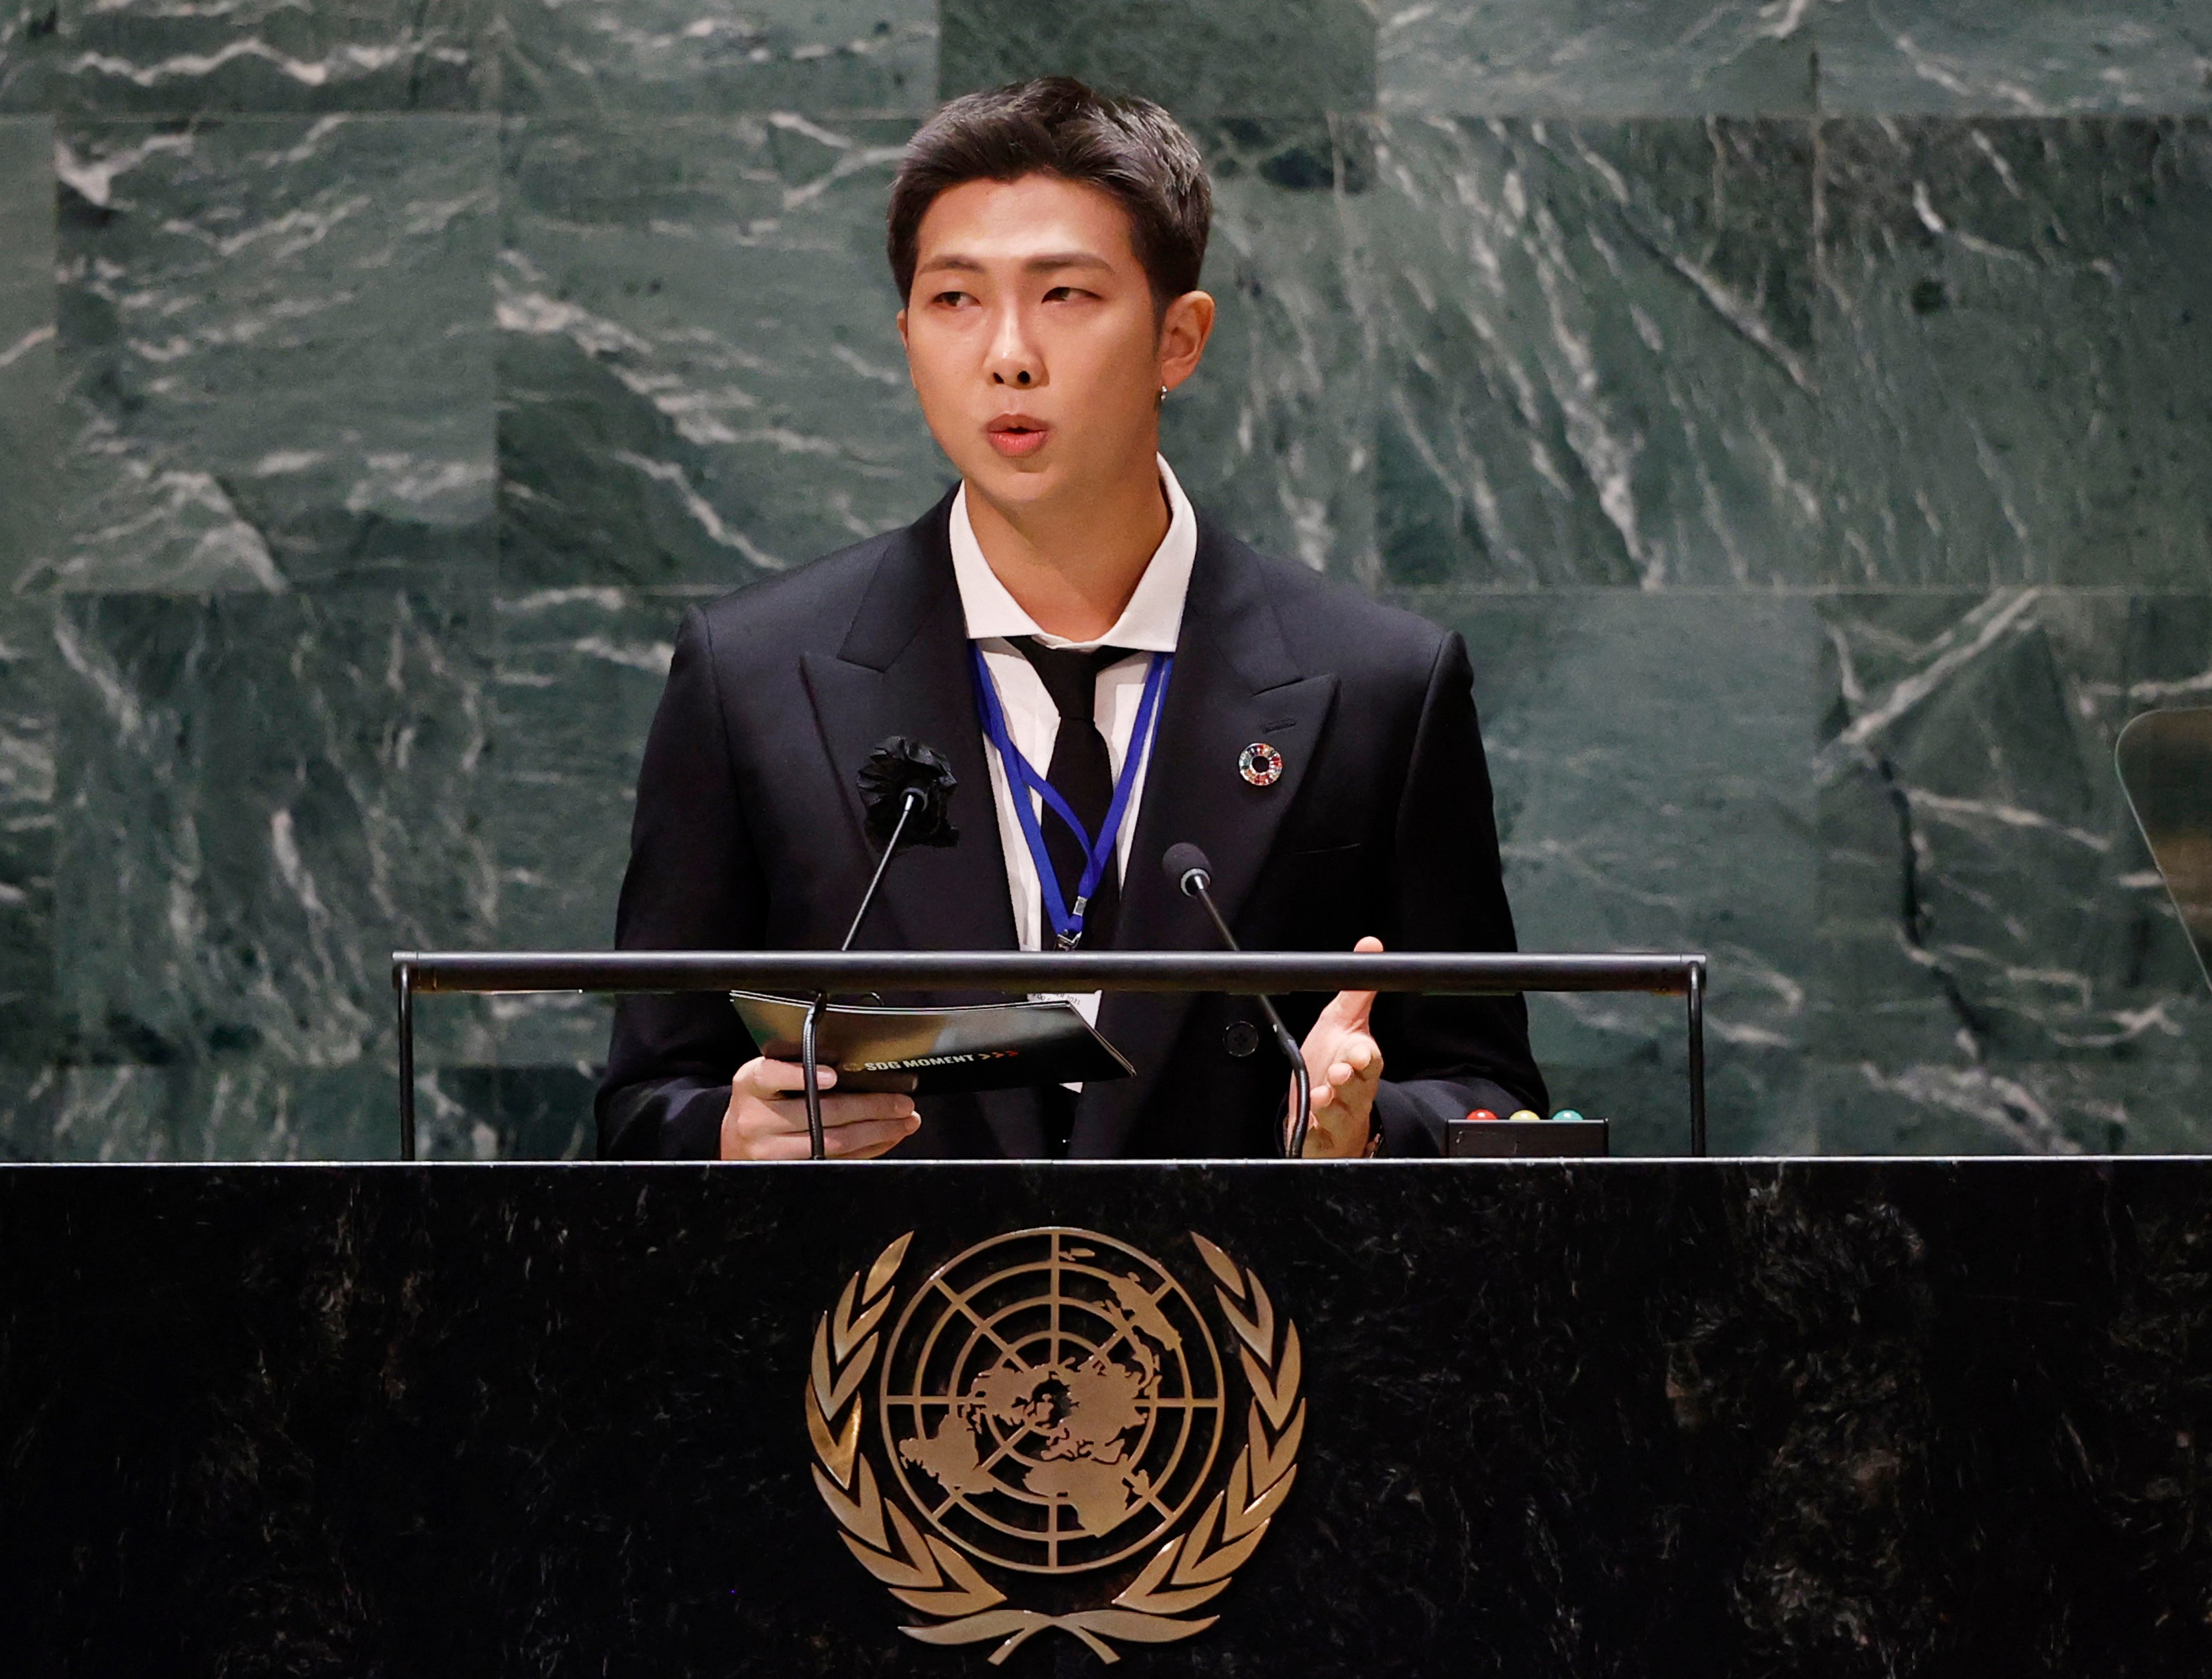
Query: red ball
pixel 1483 1114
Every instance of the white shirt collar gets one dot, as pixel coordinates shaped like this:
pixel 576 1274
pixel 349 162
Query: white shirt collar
pixel 1149 623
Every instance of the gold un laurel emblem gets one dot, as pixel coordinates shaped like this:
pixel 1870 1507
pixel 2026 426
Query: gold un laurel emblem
pixel 1050 1410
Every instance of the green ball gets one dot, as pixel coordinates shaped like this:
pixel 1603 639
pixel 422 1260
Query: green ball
pixel 1566 1113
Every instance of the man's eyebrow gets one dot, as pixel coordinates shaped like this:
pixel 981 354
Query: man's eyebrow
pixel 1039 265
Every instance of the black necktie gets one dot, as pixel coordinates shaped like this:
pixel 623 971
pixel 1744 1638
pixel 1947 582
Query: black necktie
pixel 1082 772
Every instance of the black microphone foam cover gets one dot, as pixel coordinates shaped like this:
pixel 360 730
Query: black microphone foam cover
pixel 1180 859
pixel 897 766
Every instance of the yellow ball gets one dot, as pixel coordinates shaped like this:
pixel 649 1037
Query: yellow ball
pixel 1528 1113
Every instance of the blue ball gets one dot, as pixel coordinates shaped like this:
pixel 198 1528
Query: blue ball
pixel 1566 1113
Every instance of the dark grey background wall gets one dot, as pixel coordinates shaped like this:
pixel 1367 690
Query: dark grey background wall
pixel 1802 407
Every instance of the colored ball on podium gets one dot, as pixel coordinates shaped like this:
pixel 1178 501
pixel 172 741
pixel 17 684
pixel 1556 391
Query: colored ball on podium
pixel 1567 1114
pixel 1519 1115
pixel 1482 1114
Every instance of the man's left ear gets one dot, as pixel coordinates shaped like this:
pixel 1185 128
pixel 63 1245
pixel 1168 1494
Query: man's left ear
pixel 1185 326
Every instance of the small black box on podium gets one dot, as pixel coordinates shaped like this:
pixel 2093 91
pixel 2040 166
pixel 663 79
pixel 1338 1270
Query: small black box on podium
pixel 1525 1138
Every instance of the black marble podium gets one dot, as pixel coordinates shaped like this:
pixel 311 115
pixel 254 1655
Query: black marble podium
pixel 1605 1418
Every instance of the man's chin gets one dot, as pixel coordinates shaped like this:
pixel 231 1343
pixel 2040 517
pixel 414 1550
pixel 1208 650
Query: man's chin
pixel 1029 481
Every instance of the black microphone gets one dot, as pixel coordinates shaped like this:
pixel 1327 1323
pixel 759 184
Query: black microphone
pixel 905 787
pixel 1187 866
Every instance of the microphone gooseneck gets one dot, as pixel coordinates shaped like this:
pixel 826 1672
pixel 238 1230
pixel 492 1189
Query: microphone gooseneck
pixel 1193 875
pixel 910 801
pixel 905 787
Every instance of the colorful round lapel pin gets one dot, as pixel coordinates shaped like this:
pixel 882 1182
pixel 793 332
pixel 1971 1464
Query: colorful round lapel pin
pixel 1261 765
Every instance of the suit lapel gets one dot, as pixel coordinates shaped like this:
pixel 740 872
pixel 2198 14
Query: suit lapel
pixel 902 669
pixel 1235 683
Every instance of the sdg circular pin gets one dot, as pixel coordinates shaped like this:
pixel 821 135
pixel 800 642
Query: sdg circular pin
pixel 1261 765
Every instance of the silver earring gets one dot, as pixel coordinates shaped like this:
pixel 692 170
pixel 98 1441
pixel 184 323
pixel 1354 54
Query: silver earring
pixel 1160 401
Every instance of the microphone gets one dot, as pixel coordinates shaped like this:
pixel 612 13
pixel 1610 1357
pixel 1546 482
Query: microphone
pixel 904 789
pixel 1193 876
pixel 903 777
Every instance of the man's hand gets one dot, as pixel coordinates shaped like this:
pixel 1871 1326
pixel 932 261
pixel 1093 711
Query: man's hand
pixel 1343 1063
pixel 764 1123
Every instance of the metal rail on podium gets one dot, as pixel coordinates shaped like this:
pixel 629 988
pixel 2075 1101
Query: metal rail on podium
pixel 1016 972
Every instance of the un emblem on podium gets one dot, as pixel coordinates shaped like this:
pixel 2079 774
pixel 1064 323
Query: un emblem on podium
pixel 1050 1411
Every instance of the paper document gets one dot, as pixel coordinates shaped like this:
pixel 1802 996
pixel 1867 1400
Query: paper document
pixel 934 1051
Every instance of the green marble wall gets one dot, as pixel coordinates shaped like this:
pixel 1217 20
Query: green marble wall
pixel 1802 406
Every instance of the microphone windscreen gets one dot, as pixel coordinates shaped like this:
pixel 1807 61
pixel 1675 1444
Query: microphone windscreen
pixel 899 765
pixel 1181 859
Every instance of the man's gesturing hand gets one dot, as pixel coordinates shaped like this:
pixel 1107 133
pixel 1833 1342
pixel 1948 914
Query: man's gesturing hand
pixel 1343 1063
pixel 764 1124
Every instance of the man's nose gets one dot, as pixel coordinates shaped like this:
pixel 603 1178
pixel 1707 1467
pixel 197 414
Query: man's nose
pixel 1014 359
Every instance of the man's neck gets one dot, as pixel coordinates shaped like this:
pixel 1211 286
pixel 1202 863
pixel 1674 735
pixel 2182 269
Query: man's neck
pixel 1073 568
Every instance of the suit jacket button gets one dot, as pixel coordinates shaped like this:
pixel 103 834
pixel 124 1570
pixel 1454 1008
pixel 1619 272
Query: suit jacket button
pixel 1241 1038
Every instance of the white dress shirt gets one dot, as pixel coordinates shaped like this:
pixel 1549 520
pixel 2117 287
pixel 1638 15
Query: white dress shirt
pixel 1148 624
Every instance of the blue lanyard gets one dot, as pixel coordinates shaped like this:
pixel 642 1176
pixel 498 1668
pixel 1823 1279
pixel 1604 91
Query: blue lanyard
pixel 1067 923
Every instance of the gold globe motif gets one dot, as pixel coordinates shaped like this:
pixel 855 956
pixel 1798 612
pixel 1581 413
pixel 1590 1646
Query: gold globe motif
pixel 1051 1401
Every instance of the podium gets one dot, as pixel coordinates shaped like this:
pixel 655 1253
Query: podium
pixel 1626 1417
pixel 820 973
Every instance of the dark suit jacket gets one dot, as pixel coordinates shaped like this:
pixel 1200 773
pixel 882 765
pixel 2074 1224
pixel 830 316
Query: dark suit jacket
pixel 748 836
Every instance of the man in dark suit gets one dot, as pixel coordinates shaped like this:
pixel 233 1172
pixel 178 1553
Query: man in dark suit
pixel 1322 749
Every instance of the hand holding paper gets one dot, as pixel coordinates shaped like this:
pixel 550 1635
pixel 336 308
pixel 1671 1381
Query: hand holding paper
pixel 765 1121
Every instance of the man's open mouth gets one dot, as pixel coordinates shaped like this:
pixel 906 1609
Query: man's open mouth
pixel 1017 434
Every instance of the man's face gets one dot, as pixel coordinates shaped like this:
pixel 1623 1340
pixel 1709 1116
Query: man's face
pixel 1032 338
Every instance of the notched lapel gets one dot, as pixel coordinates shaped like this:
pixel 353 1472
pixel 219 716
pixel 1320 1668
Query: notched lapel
pixel 1234 684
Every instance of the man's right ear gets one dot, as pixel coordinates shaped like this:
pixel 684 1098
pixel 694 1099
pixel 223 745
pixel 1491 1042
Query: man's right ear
pixel 902 327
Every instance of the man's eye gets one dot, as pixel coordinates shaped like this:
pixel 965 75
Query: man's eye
pixel 1063 294
pixel 953 299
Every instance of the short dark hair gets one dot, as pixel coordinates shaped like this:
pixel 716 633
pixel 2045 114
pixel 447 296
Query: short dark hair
pixel 1054 125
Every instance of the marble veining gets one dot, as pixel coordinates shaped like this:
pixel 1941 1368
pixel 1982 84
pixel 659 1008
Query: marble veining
pixel 579 673
pixel 1669 809
pixel 1200 58
pixel 27 340
pixel 1800 405
pixel 117 57
pixel 266 796
pixel 1599 58
pixel 1274 437
pixel 2015 57
pixel 670 56
pixel 221 1108
pixel 2011 352
pixel 1998 945
pixel 1764 57
pixel 1593 343
pixel 700 378
pixel 29 824
pixel 220 285
pixel 28 810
